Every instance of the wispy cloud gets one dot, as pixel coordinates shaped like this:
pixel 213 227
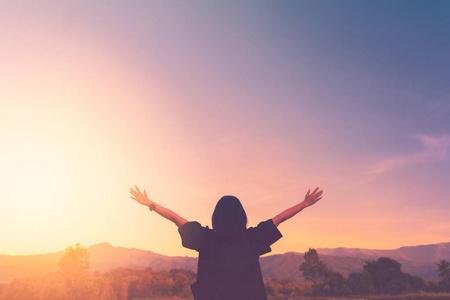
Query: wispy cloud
pixel 433 149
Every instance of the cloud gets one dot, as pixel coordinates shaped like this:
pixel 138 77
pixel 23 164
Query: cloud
pixel 434 149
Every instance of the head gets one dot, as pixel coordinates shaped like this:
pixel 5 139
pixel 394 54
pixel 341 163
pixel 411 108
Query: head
pixel 229 216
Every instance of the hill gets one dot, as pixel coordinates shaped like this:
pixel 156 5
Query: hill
pixel 105 257
pixel 417 260
pixel 422 253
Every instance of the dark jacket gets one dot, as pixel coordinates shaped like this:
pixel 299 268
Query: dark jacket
pixel 228 267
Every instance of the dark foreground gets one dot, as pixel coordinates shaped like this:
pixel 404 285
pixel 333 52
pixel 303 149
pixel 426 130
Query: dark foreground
pixel 418 296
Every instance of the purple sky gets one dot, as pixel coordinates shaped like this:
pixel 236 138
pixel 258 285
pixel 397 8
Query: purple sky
pixel 196 99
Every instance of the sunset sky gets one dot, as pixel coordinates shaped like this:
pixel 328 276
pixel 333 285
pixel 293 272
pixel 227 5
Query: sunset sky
pixel 193 100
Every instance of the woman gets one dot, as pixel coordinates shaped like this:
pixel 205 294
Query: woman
pixel 228 262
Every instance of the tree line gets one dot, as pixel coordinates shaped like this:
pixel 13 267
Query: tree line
pixel 381 276
pixel 73 281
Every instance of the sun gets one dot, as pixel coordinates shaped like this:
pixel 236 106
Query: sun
pixel 36 181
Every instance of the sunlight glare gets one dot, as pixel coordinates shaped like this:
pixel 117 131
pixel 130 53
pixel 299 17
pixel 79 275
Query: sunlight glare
pixel 37 182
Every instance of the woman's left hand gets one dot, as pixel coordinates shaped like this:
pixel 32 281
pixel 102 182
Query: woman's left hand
pixel 312 198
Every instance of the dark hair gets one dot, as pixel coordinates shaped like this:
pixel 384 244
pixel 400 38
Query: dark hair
pixel 229 216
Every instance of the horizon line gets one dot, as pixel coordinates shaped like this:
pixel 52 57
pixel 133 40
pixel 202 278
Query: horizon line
pixel 131 248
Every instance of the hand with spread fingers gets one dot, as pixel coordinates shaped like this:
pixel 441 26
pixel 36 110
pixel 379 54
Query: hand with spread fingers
pixel 310 199
pixel 140 197
pixel 143 199
pixel 313 197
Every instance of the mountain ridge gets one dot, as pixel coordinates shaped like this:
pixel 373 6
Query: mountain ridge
pixel 416 260
pixel 422 253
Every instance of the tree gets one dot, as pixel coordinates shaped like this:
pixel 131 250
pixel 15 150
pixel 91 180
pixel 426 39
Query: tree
pixel 74 265
pixel 361 283
pixel 313 268
pixel 336 284
pixel 415 283
pixel 387 275
pixel 444 286
pixel 182 279
pixel 431 287
pixel 75 261
pixel 444 269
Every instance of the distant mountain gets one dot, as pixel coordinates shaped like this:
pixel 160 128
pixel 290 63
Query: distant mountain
pixel 418 260
pixel 286 266
pixel 104 257
pixel 423 253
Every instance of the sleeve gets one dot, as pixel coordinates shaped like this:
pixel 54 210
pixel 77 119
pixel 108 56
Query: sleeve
pixel 264 235
pixel 193 235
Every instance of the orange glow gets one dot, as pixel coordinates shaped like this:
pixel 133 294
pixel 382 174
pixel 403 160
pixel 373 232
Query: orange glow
pixel 36 182
pixel 90 107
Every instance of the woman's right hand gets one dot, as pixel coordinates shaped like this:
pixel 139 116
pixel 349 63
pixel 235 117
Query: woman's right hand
pixel 139 197
pixel 312 198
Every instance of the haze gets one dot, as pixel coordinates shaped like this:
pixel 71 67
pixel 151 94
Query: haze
pixel 193 100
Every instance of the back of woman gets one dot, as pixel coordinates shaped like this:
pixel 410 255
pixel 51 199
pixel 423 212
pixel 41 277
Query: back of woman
pixel 228 261
pixel 228 266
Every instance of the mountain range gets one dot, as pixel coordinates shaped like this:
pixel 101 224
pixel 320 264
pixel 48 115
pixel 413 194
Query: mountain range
pixel 416 260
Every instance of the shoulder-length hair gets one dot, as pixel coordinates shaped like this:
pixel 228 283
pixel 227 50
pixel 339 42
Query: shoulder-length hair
pixel 229 216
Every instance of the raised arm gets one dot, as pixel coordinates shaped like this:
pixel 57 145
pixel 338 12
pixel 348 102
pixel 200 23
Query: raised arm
pixel 310 199
pixel 143 199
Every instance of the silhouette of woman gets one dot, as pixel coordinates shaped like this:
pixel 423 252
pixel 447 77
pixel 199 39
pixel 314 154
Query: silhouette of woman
pixel 228 262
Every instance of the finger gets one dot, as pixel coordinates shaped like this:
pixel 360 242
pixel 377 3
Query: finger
pixel 133 193
pixel 137 189
pixel 307 194
pixel 318 199
pixel 315 190
pixel 145 193
pixel 133 198
pixel 319 193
